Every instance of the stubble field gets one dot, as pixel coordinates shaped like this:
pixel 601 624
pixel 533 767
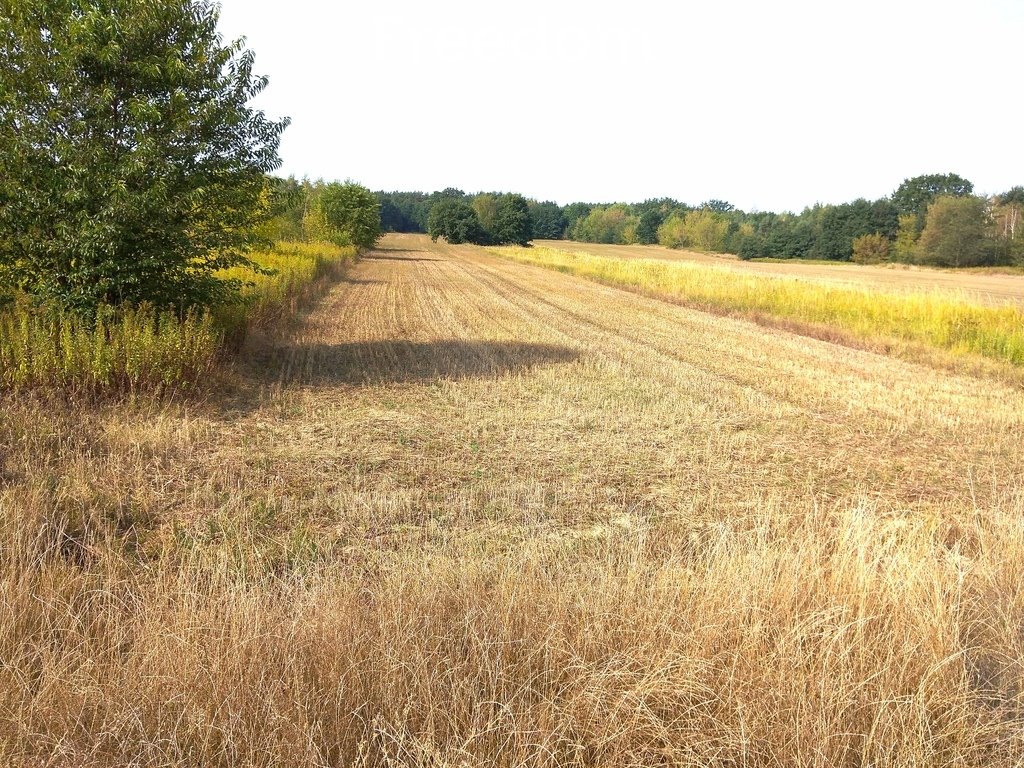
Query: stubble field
pixel 473 512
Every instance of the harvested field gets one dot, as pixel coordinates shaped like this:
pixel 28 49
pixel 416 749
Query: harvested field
pixel 480 513
pixel 993 288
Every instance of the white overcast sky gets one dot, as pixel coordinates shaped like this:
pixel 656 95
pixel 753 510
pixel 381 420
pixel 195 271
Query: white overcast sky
pixel 770 105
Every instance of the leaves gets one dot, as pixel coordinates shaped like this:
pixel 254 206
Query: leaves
pixel 131 166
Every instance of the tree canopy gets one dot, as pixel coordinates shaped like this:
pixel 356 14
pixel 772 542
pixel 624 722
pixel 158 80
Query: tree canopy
pixel 455 220
pixel 512 224
pixel 954 233
pixel 914 195
pixel 131 166
pixel 350 212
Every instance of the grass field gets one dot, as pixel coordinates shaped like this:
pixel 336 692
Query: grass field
pixel 936 325
pixel 1002 286
pixel 479 513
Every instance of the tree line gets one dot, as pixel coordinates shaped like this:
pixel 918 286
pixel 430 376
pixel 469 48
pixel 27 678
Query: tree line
pixel 933 219
pixel 133 169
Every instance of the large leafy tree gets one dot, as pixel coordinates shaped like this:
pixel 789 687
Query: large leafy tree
pixel 131 166
pixel 350 212
pixel 914 195
pixel 512 222
pixel 456 221
pixel 840 225
pixel 548 223
pixel 647 226
pixel 954 233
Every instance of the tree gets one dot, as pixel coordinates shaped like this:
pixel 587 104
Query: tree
pixel 705 229
pixel 1013 196
pixel 512 221
pixel 548 223
pixel 486 207
pixel 871 249
pixel 1008 227
pixel 351 214
pixel 603 225
pixel 914 195
pixel 719 206
pixel 954 233
pixel 672 231
pixel 404 211
pixel 906 239
pixel 131 167
pixel 573 212
pixel 647 226
pixel 455 220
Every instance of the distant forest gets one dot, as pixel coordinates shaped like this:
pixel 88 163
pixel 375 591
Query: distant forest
pixel 934 219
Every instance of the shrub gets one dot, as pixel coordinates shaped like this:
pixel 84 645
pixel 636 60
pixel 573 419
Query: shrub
pixel 871 249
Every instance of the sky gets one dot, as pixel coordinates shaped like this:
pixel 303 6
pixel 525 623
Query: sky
pixel 768 105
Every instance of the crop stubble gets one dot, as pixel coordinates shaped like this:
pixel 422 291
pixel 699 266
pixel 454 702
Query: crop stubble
pixel 487 513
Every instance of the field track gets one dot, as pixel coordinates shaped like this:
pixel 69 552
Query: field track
pixel 994 288
pixel 508 376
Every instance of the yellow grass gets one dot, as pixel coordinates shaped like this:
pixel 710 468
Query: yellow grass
pixel 477 513
pixel 936 319
pixel 144 350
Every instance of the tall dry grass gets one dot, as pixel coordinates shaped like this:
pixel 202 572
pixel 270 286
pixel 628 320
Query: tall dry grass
pixel 797 636
pixel 936 319
pixel 142 349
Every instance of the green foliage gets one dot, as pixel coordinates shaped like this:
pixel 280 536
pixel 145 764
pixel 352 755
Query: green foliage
pixel 1013 196
pixel 404 211
pixel 456 221
pixel 840 225
pixel 572 213
pixel 954 233
pixel 512 224
pixel 702 229
pixel 705 230
pixel 647 226
pixel 906 239
pixel 131 168
pixel 287 200
pixel 719 206
pixel 752 246
pixel 604 225
pixel 914 195
pixel 145 350
pixel 486 208
pixel 1007 229
pixel 871 249
pixel 548 222
pixel 346 214
pixel 672 231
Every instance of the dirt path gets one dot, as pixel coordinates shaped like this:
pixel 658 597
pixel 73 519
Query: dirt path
pixel 990 288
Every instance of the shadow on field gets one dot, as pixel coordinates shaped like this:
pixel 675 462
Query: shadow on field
pixel 384 253
pixel 376 256
pixel 399 361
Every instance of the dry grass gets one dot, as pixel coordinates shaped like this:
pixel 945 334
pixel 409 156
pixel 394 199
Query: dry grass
pixel 140 350
pixel 912 323
pixel 478 513
pixel 990 285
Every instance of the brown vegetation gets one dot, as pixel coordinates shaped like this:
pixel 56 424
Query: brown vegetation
pixel 480 513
